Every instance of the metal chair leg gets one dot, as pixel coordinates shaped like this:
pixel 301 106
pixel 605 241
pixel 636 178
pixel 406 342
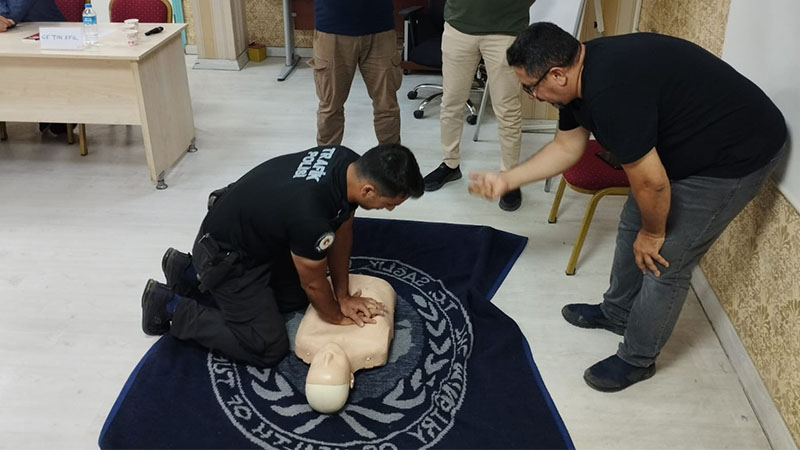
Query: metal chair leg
pixel 484 99
pixel 70 134
pixel 82 139
pixel 587 220
pixel 557 201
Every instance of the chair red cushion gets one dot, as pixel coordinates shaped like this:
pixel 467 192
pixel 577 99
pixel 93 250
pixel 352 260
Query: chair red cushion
pixel 144 10
pixel 71 9
pixel 592 173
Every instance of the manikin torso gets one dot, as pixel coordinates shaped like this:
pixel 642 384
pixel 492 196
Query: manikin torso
pixel 335 352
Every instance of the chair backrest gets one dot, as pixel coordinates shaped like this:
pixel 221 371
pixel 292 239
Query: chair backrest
pixel 436 11
pixel 157 11
pixel 71 9
pixel 424 36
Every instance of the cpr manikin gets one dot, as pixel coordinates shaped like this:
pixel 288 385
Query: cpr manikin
pixel 335 352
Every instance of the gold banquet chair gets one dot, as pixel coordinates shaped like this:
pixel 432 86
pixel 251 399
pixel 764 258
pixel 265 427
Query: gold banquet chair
pixel 147 11
pixel 593 176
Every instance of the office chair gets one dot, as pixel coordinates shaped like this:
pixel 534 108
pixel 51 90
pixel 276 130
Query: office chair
pixel 590 175
pixel 422 50
pixel 155 11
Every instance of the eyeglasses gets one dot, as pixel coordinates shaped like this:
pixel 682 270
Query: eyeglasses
pixel 530 89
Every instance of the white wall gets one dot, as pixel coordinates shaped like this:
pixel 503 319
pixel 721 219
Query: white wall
pixel 101 9
pixel 762 42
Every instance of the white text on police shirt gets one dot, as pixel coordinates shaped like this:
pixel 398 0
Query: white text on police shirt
pixel 313 165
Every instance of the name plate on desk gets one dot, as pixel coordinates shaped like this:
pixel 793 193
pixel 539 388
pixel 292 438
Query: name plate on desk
pixel 61 38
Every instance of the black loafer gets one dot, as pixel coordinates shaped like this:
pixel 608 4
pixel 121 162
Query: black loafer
pixel 511 201
pixel 441 175
pixel 174 264
pixel 155 318
pixel 589 316
pixel 613 374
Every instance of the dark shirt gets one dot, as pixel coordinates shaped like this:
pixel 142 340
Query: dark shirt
pixel 507 17
pixel 294 202
pixel 704 118
pixel 353 17
pixel 31 11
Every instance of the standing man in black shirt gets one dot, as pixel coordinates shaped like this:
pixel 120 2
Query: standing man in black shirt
pixel 697 141
pixel 265 246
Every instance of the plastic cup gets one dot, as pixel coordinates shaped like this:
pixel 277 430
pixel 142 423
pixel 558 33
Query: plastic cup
pixel 132 24
pixel 133 37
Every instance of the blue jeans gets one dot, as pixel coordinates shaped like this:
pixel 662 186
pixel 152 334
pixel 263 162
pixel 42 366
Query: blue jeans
pixel 700 209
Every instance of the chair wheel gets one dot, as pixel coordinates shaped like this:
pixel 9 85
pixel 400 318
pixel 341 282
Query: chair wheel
pixel 419 114
pixel 472 119
pixel 411 95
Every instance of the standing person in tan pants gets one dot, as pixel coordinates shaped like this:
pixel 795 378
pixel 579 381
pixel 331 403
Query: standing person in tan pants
pixel 350 34
pixel 476 29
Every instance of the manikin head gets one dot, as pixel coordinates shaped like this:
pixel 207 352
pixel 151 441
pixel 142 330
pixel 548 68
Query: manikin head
pixel 329 379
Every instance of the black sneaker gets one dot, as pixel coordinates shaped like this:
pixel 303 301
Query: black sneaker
pixel 174 264
pixel 44 128
pixel 613 374
pixel 155 318
pixel 589 316
pixel 58 129
pixel 441 175
pixel 511 201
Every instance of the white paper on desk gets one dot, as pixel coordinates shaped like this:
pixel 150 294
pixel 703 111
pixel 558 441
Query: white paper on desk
pixel 61 38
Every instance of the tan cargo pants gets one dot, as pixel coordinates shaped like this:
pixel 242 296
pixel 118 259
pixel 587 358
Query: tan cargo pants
pixel 335 60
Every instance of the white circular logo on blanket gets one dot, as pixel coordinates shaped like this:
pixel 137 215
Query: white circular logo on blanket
pixel 410 402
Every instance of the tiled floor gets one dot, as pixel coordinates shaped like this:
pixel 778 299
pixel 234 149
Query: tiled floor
pixel 79 236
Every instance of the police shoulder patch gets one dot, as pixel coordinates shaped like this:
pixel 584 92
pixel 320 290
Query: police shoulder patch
pixel 325 241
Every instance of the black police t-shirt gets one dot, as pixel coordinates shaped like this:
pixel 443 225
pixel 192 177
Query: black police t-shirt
pixel 294 202
pixel 645 90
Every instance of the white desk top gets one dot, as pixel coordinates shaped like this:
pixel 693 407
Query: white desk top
pixel 113 42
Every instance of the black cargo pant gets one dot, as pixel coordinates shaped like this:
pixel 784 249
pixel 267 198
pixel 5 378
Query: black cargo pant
pixel 246 323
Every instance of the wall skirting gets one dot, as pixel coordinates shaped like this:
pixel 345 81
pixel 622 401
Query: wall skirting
pixel 775 428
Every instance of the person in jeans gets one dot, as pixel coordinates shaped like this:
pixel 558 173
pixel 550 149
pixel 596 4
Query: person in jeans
pixel 476 29
pixel 352 34
pixel 697 141
pixel 266 246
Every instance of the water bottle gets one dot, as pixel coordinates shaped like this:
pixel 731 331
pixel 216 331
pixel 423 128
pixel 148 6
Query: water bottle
pixel 90 25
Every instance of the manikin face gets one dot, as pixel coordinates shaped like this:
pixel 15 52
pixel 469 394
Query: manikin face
pixel 329 379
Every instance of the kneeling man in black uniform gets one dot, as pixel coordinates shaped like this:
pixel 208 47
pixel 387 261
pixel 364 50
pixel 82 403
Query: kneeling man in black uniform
pixel 265 246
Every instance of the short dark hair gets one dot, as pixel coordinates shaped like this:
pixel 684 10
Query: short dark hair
pixel 393 170
pixel 540 46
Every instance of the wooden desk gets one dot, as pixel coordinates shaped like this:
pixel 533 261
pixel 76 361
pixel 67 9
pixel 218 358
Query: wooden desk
pixel 111 83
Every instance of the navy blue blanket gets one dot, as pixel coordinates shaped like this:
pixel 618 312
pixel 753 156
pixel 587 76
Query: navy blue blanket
pixel 459 375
